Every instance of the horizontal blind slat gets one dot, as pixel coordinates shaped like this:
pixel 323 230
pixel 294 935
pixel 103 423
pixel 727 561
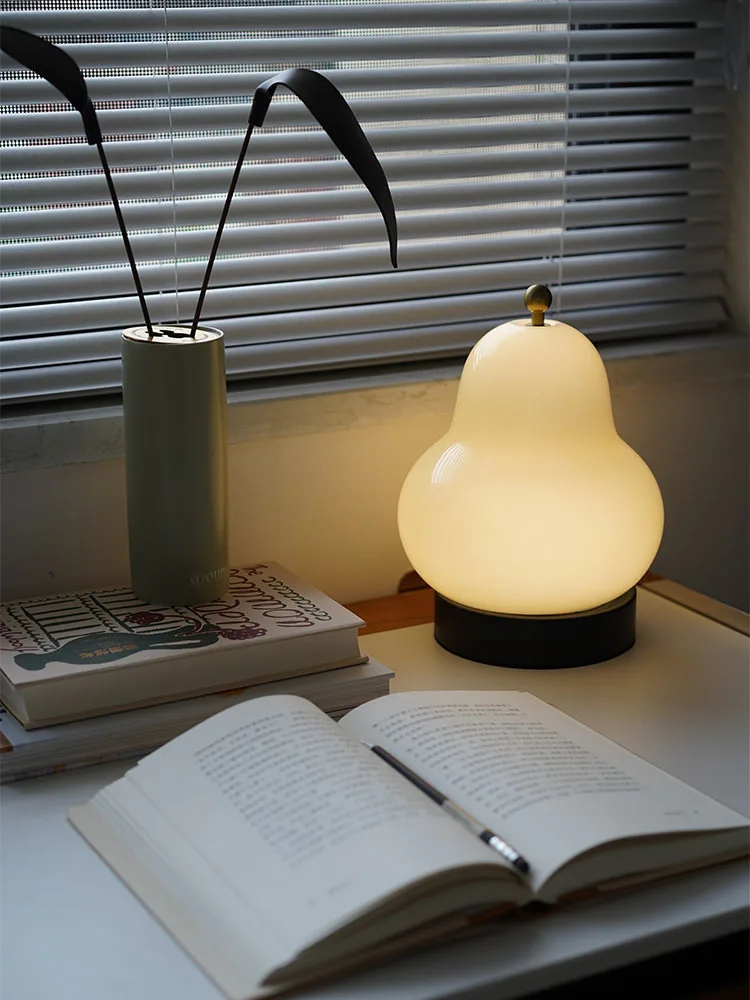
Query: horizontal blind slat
pixel 308 145
pixel 210 117
pixel 337 322
pixel 348 48
pixel 70 286
pixel 316 354
pixel 132 185
pixel 446 340
pixel 325 204
pixel 321 233
pixel 317 293
pixel 299 17
pixel 185 84
pixel 295 326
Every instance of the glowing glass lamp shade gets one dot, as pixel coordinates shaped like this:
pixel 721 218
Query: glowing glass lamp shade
pixel 531 512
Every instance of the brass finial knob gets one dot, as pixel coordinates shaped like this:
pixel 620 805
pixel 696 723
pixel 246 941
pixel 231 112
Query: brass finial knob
pixel 537 299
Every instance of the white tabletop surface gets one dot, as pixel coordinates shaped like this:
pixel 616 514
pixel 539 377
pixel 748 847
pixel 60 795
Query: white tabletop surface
pixel 70 929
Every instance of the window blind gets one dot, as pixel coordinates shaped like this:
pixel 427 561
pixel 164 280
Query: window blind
pixel 579 144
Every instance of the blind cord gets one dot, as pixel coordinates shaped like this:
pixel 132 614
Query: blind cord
pixel 172 166
pixel 563 214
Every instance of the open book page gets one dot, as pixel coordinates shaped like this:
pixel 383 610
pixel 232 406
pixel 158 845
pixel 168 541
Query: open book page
pixel 548 785
pixel 293 818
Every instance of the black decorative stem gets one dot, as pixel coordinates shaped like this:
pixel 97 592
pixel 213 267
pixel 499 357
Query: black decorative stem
pixel 126 238
pixel 220 230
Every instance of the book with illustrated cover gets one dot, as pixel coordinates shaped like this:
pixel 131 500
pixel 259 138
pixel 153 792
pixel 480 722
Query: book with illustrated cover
pixel 279 850
pixel 28 753
pixel 77 655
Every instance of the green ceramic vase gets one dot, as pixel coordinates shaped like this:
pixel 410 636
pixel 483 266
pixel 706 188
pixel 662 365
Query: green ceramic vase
pixel 174 404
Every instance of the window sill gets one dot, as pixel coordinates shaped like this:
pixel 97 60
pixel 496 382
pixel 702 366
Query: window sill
pixel 92 432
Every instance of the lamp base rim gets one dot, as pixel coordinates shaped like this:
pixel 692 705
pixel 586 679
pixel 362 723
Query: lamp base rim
pixel 537 642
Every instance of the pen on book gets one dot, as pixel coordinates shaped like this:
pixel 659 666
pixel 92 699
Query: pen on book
pixel 491 839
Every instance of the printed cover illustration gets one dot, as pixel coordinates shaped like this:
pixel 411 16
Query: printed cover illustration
pixel 57 635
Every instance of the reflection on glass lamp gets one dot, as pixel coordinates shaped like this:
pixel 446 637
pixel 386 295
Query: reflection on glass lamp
pixel 531 518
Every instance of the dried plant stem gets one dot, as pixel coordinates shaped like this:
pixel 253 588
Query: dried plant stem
pixel 126 239
pixel 220 230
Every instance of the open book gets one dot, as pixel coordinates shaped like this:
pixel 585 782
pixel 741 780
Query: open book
pixel 278 849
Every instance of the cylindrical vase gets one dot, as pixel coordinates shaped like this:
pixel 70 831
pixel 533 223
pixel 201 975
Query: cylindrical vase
pixel 174 406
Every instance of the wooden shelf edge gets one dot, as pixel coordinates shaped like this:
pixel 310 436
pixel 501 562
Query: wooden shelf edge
pixel 414 605
pixel 382 614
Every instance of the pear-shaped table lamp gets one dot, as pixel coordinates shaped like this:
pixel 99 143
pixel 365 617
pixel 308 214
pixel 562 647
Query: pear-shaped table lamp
pixel 531 518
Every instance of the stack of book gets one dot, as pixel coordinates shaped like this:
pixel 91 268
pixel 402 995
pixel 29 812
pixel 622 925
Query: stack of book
pixel 95 676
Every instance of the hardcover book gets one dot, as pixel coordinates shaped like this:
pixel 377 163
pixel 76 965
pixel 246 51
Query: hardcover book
pixel 27 753
pixel 280 850
pixel 78 655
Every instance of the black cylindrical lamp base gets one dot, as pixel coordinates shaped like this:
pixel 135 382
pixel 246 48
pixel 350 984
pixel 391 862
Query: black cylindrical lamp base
pixel 537 641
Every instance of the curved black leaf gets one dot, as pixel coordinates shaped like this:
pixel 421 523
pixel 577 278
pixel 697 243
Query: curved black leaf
pixel 57 68
pixel 61 70
pixel 333 114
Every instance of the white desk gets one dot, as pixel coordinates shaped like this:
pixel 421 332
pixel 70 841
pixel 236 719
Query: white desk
pixel 679 698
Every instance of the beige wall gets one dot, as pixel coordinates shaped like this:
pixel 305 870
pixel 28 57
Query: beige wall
pixel 314 483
